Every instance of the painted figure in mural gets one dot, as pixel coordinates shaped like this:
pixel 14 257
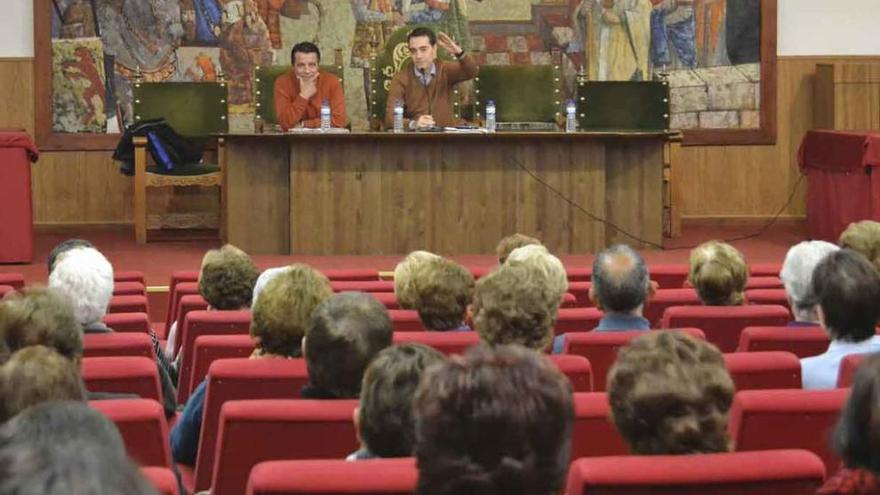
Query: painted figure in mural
pixel 270 11
pixel 78 20
pixel 83 72
pixel 743 31
pixel 710 17
pixel 619 40
pixel 202 21
pixel 244 44
pixel 673 32
pixel 141 34
pixel 203 69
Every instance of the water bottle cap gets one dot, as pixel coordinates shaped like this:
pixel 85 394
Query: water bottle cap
pixel 490 102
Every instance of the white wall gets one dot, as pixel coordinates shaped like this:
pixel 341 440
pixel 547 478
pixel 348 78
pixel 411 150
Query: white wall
pixel 806 27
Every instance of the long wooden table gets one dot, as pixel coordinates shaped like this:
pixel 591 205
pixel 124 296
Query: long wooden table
pixel 383 193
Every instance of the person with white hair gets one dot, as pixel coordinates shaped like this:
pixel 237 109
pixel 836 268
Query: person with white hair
pixel 797 276
pixel 537 257
pixel 86 277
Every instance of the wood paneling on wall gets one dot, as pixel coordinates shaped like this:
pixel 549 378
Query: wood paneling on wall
pixel 716 182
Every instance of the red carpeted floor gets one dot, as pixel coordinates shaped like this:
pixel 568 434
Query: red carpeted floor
pixel 157 260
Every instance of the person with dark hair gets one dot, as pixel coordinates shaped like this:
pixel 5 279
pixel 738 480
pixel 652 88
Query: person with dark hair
pixel 344 335
pixel 846 287
pixel 62 248
pixel 442 291
pixel 494 421
pixel 384 420
pixel 39 316
pixel 37 374
pixel 857 436
pixel 670 394
pixel 301 91
pixel 424 87
pixel 66 448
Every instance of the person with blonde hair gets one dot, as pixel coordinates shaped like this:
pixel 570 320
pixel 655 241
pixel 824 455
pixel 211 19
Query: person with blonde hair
pixel 538 258
pixel 404 277
pixel 719 274
pixel 863 237
pixel 441 292
pixel 508 244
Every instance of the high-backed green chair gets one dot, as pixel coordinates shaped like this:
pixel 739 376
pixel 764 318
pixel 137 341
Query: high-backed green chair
pixel 385 65
pixel 623 105
pixel 264 85
pixel 196 110
pixel 525 96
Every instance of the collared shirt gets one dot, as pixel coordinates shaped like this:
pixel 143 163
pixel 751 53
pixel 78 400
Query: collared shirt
pixel 802 324
pixel 426 78
pixel 820 372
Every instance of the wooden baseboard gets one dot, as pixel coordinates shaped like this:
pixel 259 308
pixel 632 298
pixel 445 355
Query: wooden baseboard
pixel 740 220
pixel 63 227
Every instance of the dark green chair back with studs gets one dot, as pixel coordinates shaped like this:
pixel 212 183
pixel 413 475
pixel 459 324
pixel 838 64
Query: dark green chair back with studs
pixel 522 93
pixel 623 105
pixel 264 85
pixel 193 109
pixel 385 65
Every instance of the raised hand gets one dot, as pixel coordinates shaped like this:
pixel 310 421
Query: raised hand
pixel 448 44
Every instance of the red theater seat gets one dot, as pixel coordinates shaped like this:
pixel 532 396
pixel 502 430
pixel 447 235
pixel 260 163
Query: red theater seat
pixel 141 422
pixel 129 276
pixel 767 296
pixel 122 375
pixel 723 324
pixel 351 275
pixel 787 419
pixel 128 304
pixel 800 341
pixel 577 369
pixel 445 342
pixel 406 320
pixel 15 280
pixel 848 367
pixel 128 322
pixel 594 434
pixel 362 286
pixel 600 348
pixel 581 293
pixel 765 269
pixel 388 299
pixel 263 430
pixel 571 320
pixel 198 323
pixel 242 379
pixel 777 472
pixel 118 344
pixel 210 348
pixel 667 298
pixel 669 276
pixel 129 289
pixel 764 370
pixel 176 291
pixel 334 477
pixel 187 304
pixel 162 479
pixel 770 282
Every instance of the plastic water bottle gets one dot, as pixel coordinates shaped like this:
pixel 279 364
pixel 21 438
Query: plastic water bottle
pixel 490 115
pixel 571 124
pixel 398 117
pixel 325 115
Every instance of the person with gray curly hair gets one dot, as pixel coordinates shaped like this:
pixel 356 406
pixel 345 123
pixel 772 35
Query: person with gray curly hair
pixel 797 276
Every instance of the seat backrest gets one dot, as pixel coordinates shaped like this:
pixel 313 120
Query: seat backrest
pixel 576 369
pixel 128 304
pixel 765 269
pixel 14 280
pixel 581 292
pixel 445 342
pixel 194 109
pixel 776 472
pixel 765 282
pixel 351 274
pixel 623 105
pixel 787 419
pixel 362 285
pixel 800 341
pixel 406 320
pixel 186 304
pixel 667 298
pixel 210 348
pixel 334 477
pixel 848 367
pixel 197 323
pixel 536 96
pixel 122 375
pixel 388 299
pixel 162 479
pixel 600 348
pixel 129 276
pixel 143 427
pixel 242 379
pixel 571 320
pixel 128 322
pixel 669 276
pixel 129 288
pixel 178 278
pixel 767 296
pixel 764 370
pixel 263 430
pixel 118 344
pixel 723 324
pixel 594 434
pixel 264 84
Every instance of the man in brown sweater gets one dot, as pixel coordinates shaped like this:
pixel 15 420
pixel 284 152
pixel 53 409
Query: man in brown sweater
pixel 425 85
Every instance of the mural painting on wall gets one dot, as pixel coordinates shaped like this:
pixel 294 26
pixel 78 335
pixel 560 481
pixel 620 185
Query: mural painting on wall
pixel 708 49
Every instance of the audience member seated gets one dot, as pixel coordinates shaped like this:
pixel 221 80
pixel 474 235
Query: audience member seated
pixel 404 277
pixel 847 289
pixel 719 274
pixel 857 436
pixel 64 448
pixel 670 394
pixel 226 282
pixel 85 276
pixel 384 420
pixel 442 290
pixel 512 242
pixel 863 237
pixel 34 375
pixel 62 248
pixel 538 258
pixel 512 305
pixel 494 421
pixel 278 324
pixel 796 275
pixel 344 334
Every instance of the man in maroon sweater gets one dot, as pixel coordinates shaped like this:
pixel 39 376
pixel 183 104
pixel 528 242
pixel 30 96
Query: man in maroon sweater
pixel 424 87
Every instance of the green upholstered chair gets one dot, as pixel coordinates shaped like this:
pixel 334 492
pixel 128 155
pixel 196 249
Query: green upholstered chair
pixel 264 85
pixel 385 65
pixel 195 110
pixel 623 105
pixel 527 97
